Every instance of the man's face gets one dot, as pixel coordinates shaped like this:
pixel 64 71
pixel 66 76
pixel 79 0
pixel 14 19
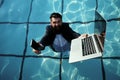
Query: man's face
pixel 56 23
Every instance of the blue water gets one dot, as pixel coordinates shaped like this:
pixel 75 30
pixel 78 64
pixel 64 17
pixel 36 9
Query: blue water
pixel 22 20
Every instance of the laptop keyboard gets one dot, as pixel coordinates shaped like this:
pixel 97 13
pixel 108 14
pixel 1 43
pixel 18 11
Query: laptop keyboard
pixel 88 46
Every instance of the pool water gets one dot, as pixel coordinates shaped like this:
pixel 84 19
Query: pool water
pixel 23 20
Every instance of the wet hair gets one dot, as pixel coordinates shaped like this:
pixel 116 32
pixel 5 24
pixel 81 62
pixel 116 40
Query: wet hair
pixel 56 15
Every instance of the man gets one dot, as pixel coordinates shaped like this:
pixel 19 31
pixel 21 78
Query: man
pixel 57 29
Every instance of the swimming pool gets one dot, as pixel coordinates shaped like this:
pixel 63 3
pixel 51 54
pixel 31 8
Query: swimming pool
pixel 22 20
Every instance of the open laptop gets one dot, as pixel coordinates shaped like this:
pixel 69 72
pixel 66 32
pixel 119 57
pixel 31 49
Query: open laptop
pixel 92 46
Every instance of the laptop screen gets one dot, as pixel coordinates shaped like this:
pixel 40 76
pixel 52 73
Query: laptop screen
pixel 100 24
pixel 100 27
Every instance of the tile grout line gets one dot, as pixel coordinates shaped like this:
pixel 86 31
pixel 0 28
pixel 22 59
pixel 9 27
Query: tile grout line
pixel 103 69
pixel 87 22
pixel 26 39
pixel 60 61
pixel 102 63
pixel 33 56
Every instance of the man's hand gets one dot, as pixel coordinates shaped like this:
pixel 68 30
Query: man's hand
pixel 41 47
pixel 84 35
pixel 36 51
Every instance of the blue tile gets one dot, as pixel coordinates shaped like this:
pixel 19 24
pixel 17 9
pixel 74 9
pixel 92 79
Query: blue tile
pixel 112 69
pixel 41 10
pixel 12 40
pixel 41 68
pixel 14 10
pixel 86 70
pixel 9 68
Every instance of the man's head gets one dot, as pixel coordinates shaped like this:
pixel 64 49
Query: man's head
pixel 56 20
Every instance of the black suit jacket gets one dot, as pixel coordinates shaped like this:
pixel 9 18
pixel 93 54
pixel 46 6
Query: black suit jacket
pixel 65 31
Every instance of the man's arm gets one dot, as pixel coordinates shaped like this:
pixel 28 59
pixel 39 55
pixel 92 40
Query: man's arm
pixel 48 37
pixel 45 40
pixel 71 33
pixel 68 32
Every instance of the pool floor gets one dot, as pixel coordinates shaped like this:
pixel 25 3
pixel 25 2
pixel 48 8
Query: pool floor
pixel 23 20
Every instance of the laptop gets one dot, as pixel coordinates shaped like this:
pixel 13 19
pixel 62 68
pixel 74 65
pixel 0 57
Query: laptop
pixel 92 46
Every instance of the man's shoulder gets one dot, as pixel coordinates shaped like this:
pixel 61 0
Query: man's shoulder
pixel 49 27
pixel 65 24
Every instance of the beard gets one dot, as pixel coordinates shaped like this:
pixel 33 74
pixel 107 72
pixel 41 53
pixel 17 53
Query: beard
pixel 57 29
